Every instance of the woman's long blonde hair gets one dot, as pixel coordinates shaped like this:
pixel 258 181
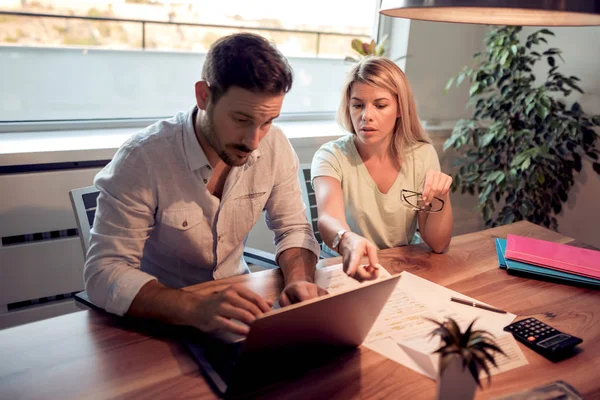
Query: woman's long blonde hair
pixel 385 74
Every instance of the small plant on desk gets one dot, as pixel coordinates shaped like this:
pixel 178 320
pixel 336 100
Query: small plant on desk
pixel 462 356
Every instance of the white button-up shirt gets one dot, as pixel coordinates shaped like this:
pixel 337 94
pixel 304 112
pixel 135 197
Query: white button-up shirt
pixel 156 219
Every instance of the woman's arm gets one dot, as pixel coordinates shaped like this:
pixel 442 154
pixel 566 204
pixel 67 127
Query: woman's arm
pixel 436 228
pixel 330 205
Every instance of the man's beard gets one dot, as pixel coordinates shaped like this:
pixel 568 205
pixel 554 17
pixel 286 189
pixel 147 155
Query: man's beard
pixel 211 135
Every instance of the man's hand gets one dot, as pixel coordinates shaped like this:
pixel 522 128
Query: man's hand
pixel 298 291
pixel 216 312
pixel 352 248
pixel 298 267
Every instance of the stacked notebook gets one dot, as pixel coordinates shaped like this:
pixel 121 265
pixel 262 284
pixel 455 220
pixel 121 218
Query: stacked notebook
pixel 539 258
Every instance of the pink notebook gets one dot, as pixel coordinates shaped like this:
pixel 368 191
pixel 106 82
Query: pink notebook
pixel 556 256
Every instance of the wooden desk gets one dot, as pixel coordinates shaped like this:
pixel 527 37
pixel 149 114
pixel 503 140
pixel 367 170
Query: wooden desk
pixel 91 355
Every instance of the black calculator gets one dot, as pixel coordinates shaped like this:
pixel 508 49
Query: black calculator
pixel 542 338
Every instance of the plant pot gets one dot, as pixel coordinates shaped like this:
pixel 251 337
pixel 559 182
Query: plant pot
pixel 456 383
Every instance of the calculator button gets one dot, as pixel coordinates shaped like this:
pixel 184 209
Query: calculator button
pixel 531 339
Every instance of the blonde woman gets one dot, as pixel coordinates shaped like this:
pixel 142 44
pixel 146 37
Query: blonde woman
pixel 373 185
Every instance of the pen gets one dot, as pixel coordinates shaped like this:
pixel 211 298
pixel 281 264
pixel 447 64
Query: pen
pixel 478 305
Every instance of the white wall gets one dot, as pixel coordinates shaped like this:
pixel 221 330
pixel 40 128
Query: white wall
pixel 437 51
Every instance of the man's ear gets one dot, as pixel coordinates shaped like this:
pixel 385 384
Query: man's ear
pixel 202 94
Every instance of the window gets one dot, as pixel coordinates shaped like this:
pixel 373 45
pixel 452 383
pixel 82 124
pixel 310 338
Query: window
pixel 102 59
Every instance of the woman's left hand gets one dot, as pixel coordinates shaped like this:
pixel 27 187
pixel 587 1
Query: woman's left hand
pixel 437 184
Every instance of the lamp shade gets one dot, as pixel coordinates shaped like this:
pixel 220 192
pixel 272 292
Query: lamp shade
pixel 498 12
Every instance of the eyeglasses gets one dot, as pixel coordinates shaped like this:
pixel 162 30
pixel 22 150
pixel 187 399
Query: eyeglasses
pixel 415 201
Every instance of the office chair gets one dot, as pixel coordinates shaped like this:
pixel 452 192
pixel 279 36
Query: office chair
pixel 84 201
pixel 312 214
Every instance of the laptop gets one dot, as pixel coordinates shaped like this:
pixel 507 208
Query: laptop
pixel 293 339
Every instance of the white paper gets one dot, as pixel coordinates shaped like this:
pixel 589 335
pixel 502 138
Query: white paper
pixel 335 280
pixel 402 332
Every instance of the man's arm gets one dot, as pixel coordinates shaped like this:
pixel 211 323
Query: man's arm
pixel 208 313
pixel 298 267
pixel 124 220
pixel 297 248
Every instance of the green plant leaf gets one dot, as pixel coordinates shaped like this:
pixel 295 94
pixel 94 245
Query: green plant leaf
pixel 542 112
pixel 530 98
pixel 449 85
pixel 523 132
pixel 474 89
pixel 508 219
pixel 486 139
pixel 541 178
pixel 487 213
pixel 371 47
pixel 504 57
pixel 547 32
pixel 357 46
pixel 545 100
pixel 500 177
pixel 380 48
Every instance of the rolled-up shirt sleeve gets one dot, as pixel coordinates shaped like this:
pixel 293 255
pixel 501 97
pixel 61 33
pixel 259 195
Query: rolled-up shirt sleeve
pixel 285 210
pixel 325 163
pixel 123 222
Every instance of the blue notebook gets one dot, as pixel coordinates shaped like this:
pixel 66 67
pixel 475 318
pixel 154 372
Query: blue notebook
pixel 534 270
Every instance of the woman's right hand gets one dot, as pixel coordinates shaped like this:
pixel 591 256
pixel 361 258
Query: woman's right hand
pixel 352 248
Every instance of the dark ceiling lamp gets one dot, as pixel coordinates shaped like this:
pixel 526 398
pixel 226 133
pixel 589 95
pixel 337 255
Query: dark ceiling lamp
pixel 498 12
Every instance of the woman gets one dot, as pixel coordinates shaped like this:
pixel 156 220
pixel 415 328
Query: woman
pixel 365 182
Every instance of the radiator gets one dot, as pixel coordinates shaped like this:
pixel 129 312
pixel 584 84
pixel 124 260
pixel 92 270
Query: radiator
pixel 41 260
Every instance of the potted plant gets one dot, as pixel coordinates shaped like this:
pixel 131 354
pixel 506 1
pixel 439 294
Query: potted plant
pixel 366 49
pixel 524 143
pixel 462 356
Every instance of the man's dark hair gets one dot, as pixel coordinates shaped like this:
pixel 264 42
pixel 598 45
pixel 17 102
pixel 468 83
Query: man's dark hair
pixel 248 61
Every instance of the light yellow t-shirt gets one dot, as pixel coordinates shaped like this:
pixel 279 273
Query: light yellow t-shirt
pixel 379 217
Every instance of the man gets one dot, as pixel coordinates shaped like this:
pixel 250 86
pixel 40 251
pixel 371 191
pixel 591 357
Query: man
pixel 178 200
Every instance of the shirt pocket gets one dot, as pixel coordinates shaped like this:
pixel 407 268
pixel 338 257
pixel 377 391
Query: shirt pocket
pixel 182 229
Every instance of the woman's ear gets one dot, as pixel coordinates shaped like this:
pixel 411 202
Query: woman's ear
pixel 202 94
